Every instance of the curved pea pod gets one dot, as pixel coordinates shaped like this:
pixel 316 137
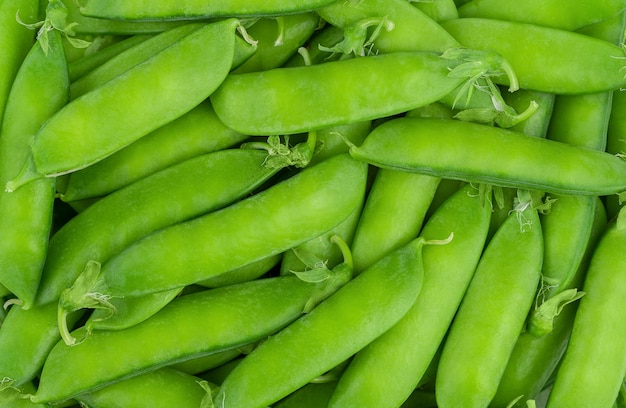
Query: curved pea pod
pixel 147 10
pixel 492 314
pixel 486 154
pixel 558 14
pixel 190 326
pixel 197 132
pixel 594 365
pixel 17 41
pixel 332 332
pixel 165 387
pixel 411 29
pixel 547 63
pixel 40 88
pixel 386 371
pixel 301 99
pixel 234 173
pixel 191 68
pixel 262 225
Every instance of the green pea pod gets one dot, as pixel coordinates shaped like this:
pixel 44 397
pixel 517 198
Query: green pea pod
pixel 17 40
pixel 393 215
pixel 492 313
pixel 534 358
pixel 558 14
pixel 485 154
pixel 413 30
pixel 329 334
pixel 235 173
pixel 548 63
pixel 301 99
pixel 89 62
pixel 197 132
pixel 594 364
pixel 40 88
pixel 165 387
pixel 262 225
pixel 146 10
pixel 202 60
pixel 278 38
pixel 190 326
pixel 438 10
pixel 382 376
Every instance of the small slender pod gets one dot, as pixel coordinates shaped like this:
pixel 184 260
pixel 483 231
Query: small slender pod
pixel 328 335
pixel 492 313
pixel 594 364
pixel 387 370
pixel 41 89
pixel 480 153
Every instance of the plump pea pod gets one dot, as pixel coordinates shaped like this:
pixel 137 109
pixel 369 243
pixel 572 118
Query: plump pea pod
pixel 385 373
pixel 329 334
pixel 300 99
pixel 94 26
pixel 594 364
pixel 26 338
pixel 89 62
pixel 479 153
pixel 197 132
pixel 192 68
pixel 438 10
pixel 534 358
pixel 17 41
pixel 392 216
pixel 558 14
pixel 165 387
pixel 410 28
pixel 492 313
pixel 262 225
pixel 40 88
pixel 550 64
pixel 147 10
pixel 110 225
pixel 191 326
pixel 278 38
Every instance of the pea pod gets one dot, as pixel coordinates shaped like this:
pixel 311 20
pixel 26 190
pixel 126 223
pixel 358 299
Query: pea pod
pixel 492 313
pixel 479 153
pixel 301 99
pixel 146 10
pixel 262 225
pixel 438 10
pixel 386 371
pixel 196 133
pixel 265 375
pixel 558 14
pixel 55 147
pixel 547 62
pixel 233 316
pixel 594 364
pixel 40 88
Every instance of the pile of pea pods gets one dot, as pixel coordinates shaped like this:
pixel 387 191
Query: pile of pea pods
pixel 313 203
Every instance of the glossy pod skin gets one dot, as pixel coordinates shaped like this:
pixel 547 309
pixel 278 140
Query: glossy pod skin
pixel 40 88
pixel 491 315
pixel 479 153
pixel 387 370
pixel 543 57
pixel 235 173
pixel 197 132
pixel 147 10
pixel 301 99
pixel 262 225
pixel 558 14
pixel 182 66
pixel 329 334
pixel 190 326
pixel 594 365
